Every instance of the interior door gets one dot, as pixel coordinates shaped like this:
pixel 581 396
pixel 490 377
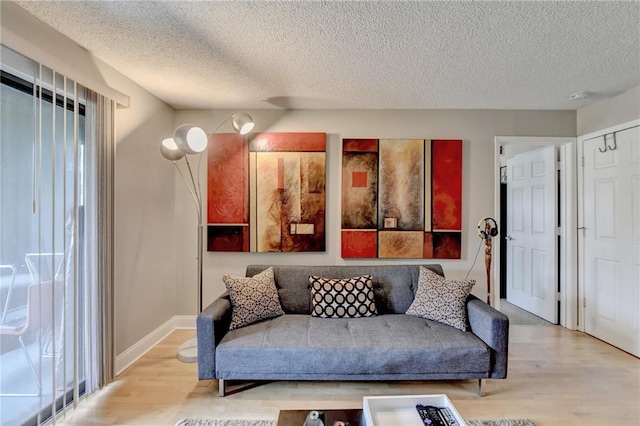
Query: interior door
pixel 610 240
pixel 532 278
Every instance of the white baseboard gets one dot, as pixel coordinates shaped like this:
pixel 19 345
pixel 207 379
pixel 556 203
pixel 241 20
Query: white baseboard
pixel 185 321
pixel 144 345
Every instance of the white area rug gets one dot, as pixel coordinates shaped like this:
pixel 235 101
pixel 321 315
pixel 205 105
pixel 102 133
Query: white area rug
pixel 205 422
pixel 518 316
pixel 501 422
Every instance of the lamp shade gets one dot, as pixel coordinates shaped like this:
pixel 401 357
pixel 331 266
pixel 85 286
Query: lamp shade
pixel 190 139
pixel 170 150
pixel 242 123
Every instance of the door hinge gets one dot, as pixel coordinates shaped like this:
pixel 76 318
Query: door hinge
pixel 582 161
pixel 558 297
pixel 584 302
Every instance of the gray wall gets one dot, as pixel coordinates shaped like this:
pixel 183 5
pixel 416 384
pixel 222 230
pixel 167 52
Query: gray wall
pixel 145 259
pixel 609 112
pixel 477 129
pixel 145 269
pixel 155 221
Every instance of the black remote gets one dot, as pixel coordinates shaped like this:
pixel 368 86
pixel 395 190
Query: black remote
pixel 448 416
pixel 436 416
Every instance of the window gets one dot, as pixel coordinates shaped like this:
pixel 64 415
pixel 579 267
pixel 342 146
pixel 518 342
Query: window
pixel 48 243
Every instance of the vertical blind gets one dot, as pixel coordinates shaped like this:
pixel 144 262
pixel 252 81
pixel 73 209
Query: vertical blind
pixel 56 241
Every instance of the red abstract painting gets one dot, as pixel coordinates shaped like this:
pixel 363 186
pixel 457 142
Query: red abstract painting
pixel 359 244
pixel 401 198
pixel 227 179
pixel 447 185
pixel 266 193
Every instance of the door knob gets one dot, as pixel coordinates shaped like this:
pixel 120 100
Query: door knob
pixel 509 237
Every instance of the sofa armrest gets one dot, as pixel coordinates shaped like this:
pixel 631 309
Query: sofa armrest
pixel 492 326
pixel 212 324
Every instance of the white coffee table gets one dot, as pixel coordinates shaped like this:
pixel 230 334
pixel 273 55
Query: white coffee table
pixel 400 410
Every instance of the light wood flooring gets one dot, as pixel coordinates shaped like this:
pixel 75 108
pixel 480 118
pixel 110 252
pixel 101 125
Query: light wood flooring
pixel 556 377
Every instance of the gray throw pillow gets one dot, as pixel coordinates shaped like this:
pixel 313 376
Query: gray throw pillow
pixel 253 298
pixel 441 300
pixel 342 298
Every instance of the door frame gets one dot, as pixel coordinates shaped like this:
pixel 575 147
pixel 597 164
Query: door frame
pixel 580 197
pixel 568 297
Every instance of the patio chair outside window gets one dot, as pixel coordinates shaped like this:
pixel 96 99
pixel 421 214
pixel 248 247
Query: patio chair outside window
pixel 39 316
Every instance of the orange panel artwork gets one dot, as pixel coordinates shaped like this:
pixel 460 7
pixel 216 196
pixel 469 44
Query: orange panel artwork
pixel 266 192
pixel 401 198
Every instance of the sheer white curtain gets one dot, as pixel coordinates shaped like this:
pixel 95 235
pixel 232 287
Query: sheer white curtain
pixel 56 236
pixel 101 129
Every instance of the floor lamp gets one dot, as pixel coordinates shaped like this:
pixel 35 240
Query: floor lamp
pixel 189 139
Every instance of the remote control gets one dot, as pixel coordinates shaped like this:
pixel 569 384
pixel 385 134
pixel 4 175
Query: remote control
pixel 436 416
pixel 448 416
pixel 429 415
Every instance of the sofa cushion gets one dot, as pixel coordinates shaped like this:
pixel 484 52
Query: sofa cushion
pixel 301 346
pixel 441 300
pixel 253 299
pixel 342 298
pixel 394 285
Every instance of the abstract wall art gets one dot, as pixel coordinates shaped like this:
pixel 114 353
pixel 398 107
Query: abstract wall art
pixel 266 192
pixel 401 198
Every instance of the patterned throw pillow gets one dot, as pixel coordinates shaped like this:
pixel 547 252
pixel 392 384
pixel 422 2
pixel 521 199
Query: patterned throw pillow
pixel 342 298
pixel 253 299
pixel 441 300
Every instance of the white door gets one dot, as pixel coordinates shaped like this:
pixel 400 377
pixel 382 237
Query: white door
pixel 610 241
pixel 532 277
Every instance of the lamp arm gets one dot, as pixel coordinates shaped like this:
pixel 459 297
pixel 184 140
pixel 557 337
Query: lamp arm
pixel 196 190
pixel 196 200
pixel 198 174
pixel 221 123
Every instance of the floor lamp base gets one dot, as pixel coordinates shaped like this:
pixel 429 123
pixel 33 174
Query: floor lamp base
pixel 188 351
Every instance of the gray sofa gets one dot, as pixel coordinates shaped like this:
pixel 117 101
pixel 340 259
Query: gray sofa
pixel 390 346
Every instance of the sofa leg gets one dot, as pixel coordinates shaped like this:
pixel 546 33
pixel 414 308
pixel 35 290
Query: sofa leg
pixel 228 387
pixel 480 387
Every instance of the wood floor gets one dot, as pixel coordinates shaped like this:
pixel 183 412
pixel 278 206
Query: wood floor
pixel 556 377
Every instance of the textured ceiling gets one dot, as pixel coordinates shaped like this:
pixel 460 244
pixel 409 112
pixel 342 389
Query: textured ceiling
pixel 360 54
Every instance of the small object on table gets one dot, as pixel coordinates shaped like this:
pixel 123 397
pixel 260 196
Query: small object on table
pixel 346 417
pixel 314 418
